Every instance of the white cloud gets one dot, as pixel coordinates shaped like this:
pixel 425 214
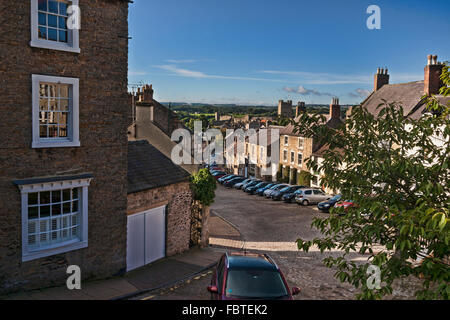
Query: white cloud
pixel 306 92
pixel 201 75
pixel 359 93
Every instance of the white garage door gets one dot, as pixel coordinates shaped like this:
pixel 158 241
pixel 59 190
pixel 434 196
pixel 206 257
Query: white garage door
pixel 146 238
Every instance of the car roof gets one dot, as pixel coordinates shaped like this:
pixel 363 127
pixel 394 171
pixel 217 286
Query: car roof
pixel 239 260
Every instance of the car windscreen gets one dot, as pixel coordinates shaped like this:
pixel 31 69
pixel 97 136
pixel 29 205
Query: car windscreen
pixel 254 283
pixel 285 189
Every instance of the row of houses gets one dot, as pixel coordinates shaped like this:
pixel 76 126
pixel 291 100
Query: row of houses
pixel 84 180
pixel 296 149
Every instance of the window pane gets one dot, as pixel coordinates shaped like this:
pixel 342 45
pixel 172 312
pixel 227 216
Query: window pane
pixel 62 24
pixel 56 196
pixel 66 208
pixel 43 104
pixel 74 194
pixel 45 197
pixel 63 131
pixel 53 6
pixel 42 33
pixel 32 198
pixel 64 105
pixel 52 21
pixel 33 212
pixel 45 211
pixel 64 91
pixel 53 105
pixel 52 131
pixel 75 206
pixel 42 90
pixel 52 34
pixel 56 209
pixel 66 195
pixel 52 90
pixel 42 19
pixel 62 36
pixel 42 5
pixel 43 131
pixel 63 8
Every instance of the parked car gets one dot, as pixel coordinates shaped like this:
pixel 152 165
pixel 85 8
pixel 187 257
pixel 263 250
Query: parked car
pixel 309 196
pixel 225 178
pixel 251 184
pixel 268 193
pixel 249 276
pixel 290 196
pixel 260 191
pixel 277 195
pixel 253 189
pixel 243 183
pixel 346 204
pixel 326 205
pixel 230 183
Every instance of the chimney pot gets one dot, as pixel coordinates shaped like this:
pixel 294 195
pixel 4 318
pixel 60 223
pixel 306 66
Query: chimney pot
pixel 381 78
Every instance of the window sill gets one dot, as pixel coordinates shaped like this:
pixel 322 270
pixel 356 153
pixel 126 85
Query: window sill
pixel 55 144
pixel 52 45
pixel 54 251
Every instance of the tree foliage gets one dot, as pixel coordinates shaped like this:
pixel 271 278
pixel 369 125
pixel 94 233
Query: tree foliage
pixel 203 186
pixel 396 169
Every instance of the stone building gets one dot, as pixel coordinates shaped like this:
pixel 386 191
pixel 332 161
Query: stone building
pixel 159 206
pixel 296 149
pixel 63 152
pixel 285 109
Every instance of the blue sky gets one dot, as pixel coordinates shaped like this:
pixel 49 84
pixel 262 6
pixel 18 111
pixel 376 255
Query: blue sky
pixel 258 51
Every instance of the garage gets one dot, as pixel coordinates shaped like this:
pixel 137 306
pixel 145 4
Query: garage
pixel 146 237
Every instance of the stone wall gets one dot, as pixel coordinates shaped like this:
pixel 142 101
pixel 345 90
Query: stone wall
pixel 178 198
pixel 102 69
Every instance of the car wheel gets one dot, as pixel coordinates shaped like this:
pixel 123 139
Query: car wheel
pixel 305 203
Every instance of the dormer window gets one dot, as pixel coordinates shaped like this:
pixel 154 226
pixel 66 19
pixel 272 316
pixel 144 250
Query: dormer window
pixel 50 20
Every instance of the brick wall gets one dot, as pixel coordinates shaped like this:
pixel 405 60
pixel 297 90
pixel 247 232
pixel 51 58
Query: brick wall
pixel 293 146
pixel 102 69
pixel 178 199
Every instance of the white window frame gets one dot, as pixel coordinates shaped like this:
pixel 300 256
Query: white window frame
pixel 299 155
pixel 285 155
pixel 73 139
pixel 73 44
pixel 286 138
pixel 302 143
pixel 83 184
pixel 292 157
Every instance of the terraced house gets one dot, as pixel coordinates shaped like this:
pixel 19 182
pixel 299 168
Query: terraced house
pixel 63 146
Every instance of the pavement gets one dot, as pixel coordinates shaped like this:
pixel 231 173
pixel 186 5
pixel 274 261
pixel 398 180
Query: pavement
pixel 165 273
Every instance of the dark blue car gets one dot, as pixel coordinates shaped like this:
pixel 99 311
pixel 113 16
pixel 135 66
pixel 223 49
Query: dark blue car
pixel 325 206
pixel 230 183
pixel 260 191
pixel 253 189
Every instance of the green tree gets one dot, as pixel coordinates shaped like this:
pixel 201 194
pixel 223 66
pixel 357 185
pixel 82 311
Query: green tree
pixel 392 167
pixel 203 186
pixel 304 178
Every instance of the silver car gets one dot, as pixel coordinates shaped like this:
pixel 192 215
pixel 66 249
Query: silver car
pixel 309 196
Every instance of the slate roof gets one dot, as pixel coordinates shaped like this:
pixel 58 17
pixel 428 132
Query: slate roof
pixel 409 95
pixel 148 168
pixel 289 129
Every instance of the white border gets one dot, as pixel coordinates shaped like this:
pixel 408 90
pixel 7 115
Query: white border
pixel 63 247
pixel 73 139
pixel 73 44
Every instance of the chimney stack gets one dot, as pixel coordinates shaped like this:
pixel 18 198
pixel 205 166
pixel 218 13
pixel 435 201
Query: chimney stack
pixel 301 108
pixel 147 93
pixel 381 78
pixel 335 109
pixel 432 79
